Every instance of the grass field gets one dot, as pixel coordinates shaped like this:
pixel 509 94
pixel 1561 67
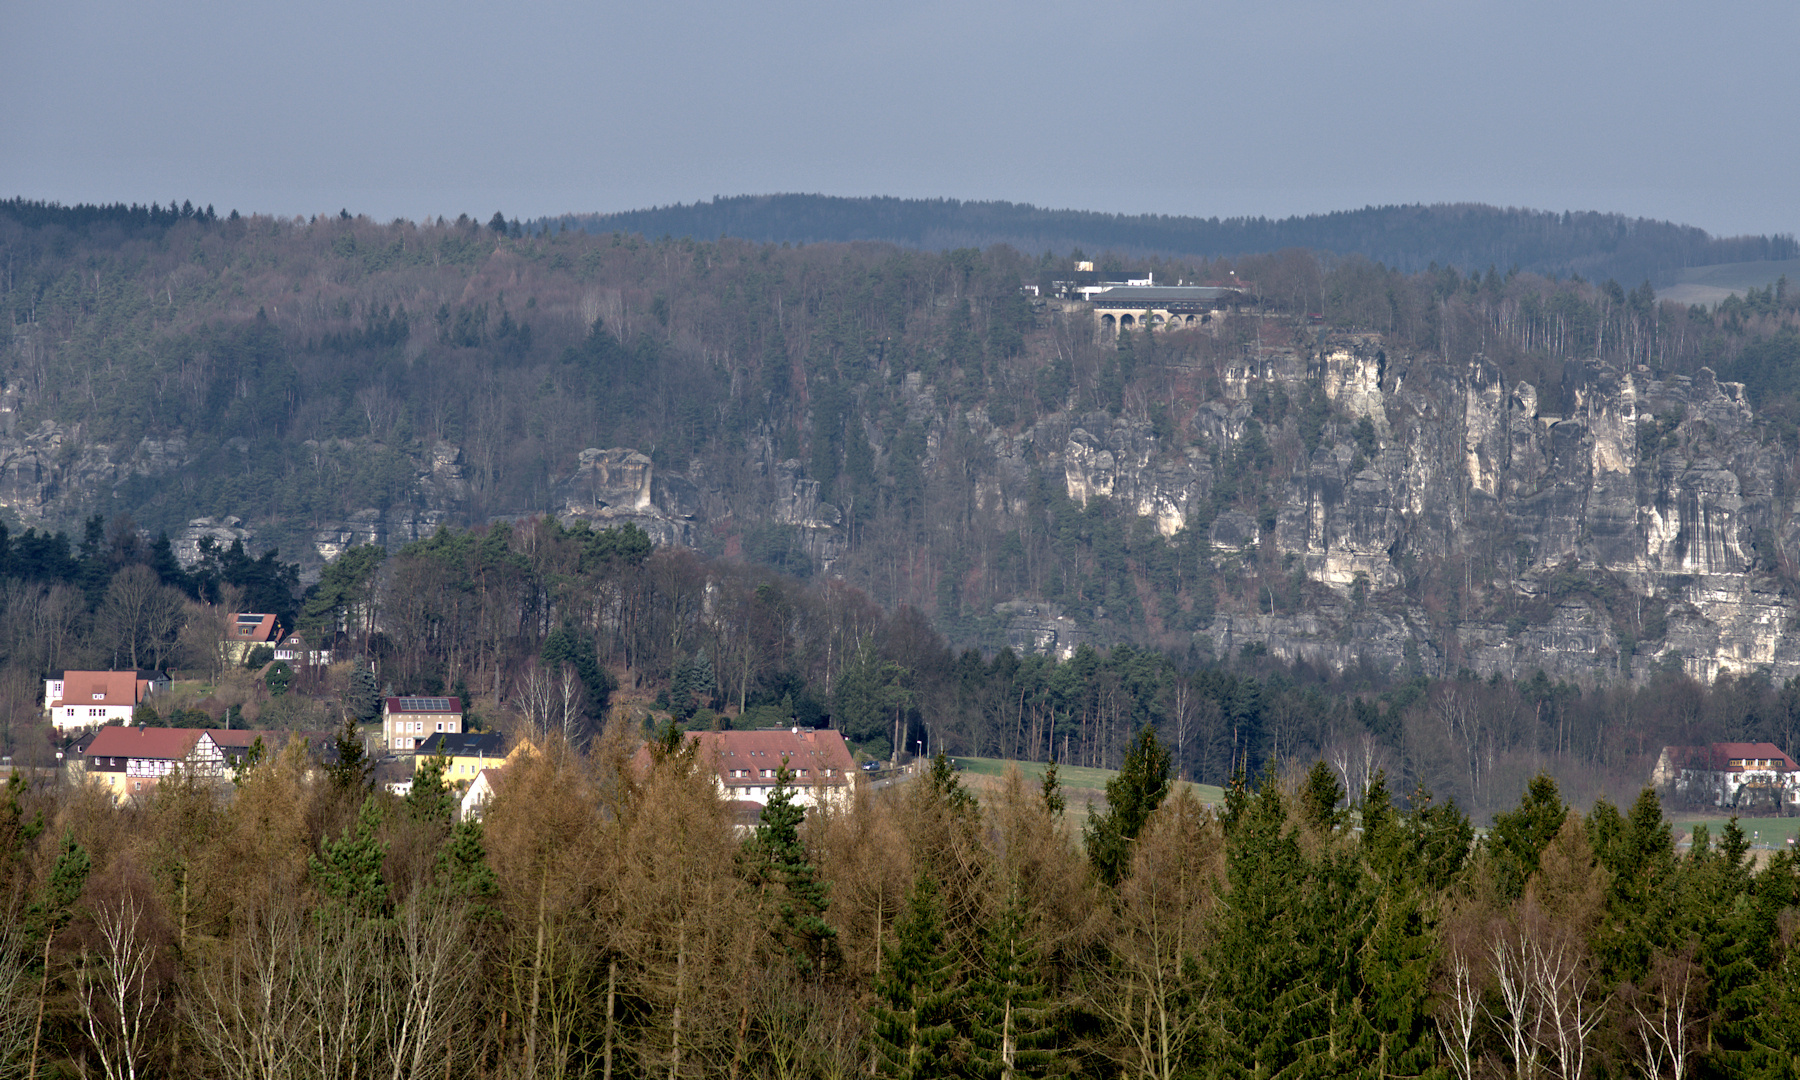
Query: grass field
pixel 1082 786
pixel 1765 832
pixel 1712 284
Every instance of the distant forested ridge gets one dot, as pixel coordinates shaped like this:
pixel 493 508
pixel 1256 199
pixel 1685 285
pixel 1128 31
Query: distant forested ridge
pixel 935 430
pixel 1470 236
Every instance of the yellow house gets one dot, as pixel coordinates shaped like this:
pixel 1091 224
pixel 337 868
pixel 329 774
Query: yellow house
pixel 465 754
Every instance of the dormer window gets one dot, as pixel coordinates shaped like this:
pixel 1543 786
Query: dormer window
pixel 99 697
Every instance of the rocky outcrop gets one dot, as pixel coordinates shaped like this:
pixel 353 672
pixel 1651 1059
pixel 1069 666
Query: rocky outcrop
pixel 223 533
pixel 619 486
pixel 51 469
pixel 1657 492
pixel 1040 628
pixel 391 529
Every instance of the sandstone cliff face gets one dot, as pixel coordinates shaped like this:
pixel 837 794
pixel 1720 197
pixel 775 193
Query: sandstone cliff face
pixel 47 470
pixel 1640 523
pixel 619 486
pixel 1649 495
pixel 1623 535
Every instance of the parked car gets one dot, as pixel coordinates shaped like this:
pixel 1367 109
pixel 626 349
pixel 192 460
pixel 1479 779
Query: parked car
pixel 872 766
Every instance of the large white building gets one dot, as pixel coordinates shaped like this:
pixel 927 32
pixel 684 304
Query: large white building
pixel 744 764
pixel 1729 775
pixel 84 699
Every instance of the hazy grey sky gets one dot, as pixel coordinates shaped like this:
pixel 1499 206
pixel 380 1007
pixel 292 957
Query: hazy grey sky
pixel 1681 111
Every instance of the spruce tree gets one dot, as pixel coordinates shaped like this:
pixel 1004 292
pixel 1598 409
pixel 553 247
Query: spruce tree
pixel 429 798
pixel 795 901
pixel 915 1004
pixel 1520 836
pixel 1010 1018
pixel 1054 802
pixel 55 905
pixel 352 769
pixel 362 694
pixel 1131 797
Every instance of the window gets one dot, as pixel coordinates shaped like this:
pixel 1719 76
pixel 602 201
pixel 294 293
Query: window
pixel 768 774
pixel 440 725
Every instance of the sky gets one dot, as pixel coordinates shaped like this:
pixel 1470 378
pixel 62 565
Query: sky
pixel 539 107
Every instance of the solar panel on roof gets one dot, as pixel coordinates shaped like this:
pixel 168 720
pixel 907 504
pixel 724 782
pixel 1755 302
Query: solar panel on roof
pixel 425 704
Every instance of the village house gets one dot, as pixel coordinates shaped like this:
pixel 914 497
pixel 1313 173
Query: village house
pixel 130 760
pixel 294 650
pixel 246 631
pixel 744 763
pixel 481 791
pixel 465 754
pixel 407 721
pixel 1730 774
pixel 81 699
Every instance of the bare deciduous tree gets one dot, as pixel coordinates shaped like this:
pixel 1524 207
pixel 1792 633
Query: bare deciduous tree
pixel 1666 1017
pixel 117 995
pixel 432 979
pixel 18 1005
pixel 247 1010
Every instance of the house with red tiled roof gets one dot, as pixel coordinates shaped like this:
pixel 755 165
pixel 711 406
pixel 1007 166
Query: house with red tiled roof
pixel 744 764
pixel 81 699
pixel 246 631
pixel 1729 774
pixel 130 760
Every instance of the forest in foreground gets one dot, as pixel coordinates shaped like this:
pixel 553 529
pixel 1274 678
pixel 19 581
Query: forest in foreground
pixel 607 919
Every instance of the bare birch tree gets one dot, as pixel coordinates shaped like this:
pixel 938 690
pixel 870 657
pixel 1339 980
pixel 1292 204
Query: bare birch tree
pixel 1666 1016
pixel 116 995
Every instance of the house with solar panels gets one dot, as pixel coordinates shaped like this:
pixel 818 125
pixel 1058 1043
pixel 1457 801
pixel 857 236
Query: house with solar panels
pixel 406 722
pixel 246 631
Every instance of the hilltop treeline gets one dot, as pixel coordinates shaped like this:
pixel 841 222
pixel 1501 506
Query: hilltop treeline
pixel 1410 238
pixel 606 919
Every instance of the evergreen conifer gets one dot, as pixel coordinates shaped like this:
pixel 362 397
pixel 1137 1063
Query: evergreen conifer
pixel 1010 1017
pixel 1131 797
pixel 915 1004
pixel 348 871
pixel 775 862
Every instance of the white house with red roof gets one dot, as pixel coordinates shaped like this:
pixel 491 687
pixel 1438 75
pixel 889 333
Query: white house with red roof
pixel 1729 774
pixel 82 699
pixel 744 764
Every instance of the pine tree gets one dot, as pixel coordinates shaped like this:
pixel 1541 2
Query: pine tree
pixel 1010 1018
pixel 916 994
pixel 776 864
pixel 348 871
pixel 1131 797
pixel 463 872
